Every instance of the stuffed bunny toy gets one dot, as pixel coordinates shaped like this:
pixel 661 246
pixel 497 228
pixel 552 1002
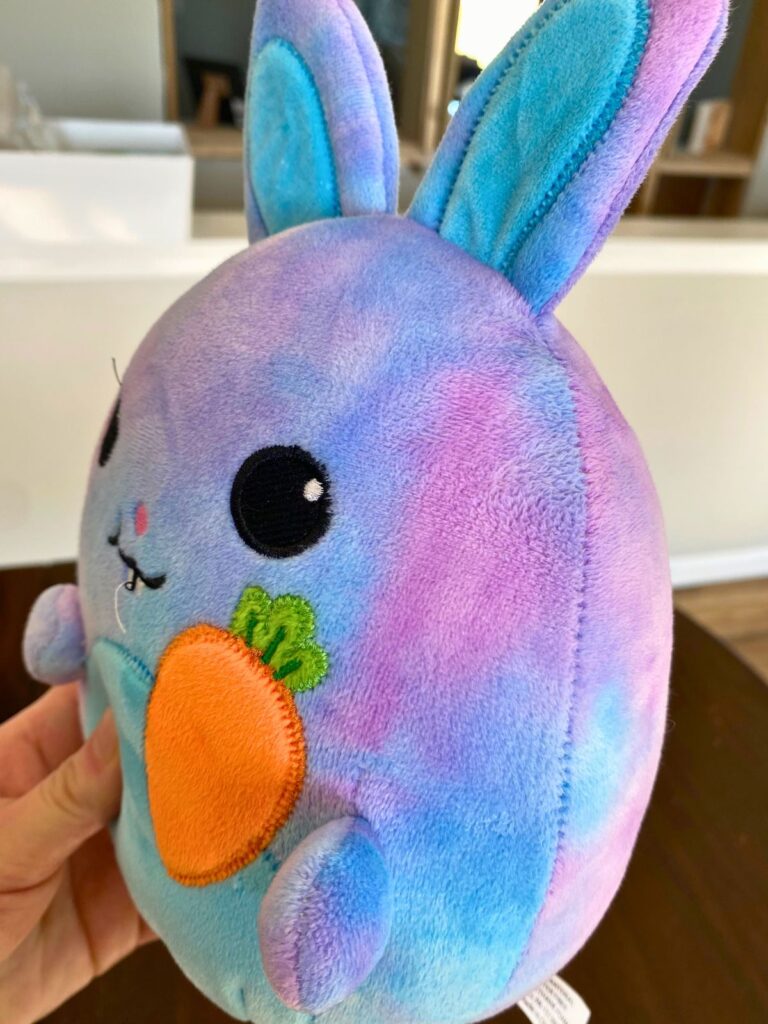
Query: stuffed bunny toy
pixel 372 571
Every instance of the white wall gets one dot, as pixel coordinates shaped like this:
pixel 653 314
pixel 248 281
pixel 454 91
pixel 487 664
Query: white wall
pixel 86 58
pixel 679 330
pixel 56 383
pixel 686 358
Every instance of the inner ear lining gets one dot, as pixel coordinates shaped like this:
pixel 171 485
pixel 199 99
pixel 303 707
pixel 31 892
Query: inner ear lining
pixel 634 178
pixel 591 138
pixel 311 83
pixel 522 46
pixel 598 131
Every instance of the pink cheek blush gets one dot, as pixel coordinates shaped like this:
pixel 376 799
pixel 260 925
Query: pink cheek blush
pixel 141 519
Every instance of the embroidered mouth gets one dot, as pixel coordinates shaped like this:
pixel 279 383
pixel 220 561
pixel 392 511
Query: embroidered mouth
pixel 137 576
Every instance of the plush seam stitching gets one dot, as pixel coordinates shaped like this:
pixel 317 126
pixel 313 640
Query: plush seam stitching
pixel 379 127
pixel 566 755
pixel 590 251
pixel 149 679
pixel 127 656
pixel 521 47
pixel 287 45
pixel 272 861
pixel 290 792
pixel 597 132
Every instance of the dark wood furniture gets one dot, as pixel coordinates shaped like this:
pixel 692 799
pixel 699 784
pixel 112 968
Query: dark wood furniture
pixel 685 941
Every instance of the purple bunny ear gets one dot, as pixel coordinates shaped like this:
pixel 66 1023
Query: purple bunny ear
pixel 319 127
pixel 555 136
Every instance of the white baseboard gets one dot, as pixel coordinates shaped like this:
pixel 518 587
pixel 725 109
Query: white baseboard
pixel 719 567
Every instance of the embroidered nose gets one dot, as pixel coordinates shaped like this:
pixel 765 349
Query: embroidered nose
pixel 141 519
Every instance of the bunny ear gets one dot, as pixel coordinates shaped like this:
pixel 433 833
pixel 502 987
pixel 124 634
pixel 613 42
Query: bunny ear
pixel 555 136
pixel 319 126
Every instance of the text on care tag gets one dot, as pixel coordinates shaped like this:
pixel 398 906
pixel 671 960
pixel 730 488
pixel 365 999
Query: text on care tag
pixel 555 1002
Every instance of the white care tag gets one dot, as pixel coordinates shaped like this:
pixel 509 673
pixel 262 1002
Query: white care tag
pixel 555 1002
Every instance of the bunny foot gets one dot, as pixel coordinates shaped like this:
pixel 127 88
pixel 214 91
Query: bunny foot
pixel 325 919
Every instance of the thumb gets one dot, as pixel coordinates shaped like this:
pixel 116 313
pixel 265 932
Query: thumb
pixel 44 827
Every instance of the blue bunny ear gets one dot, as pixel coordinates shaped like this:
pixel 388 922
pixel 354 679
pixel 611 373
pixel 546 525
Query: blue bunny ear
pixel 555 136
pixel 320 138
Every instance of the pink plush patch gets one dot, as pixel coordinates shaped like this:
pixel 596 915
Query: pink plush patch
pixel 141 519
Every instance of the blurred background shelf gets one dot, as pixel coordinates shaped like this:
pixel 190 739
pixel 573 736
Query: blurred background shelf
pixel 706 165
pixel 186 61
pixel 223 142
pixel 731 179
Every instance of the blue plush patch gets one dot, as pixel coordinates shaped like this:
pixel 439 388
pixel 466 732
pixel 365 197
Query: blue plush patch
pixel 290 156
pixel 523 139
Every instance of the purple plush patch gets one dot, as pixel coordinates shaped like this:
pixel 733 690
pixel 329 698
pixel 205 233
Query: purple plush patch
pixel 54 641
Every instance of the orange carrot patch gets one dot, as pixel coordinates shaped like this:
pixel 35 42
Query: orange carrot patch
pixel 225 755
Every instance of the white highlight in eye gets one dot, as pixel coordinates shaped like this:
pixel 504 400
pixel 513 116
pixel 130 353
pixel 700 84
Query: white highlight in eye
pixel 313 490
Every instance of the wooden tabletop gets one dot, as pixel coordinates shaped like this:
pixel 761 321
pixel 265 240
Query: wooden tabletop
pixel 686 940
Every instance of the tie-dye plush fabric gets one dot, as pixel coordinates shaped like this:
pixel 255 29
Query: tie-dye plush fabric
pixel 482 599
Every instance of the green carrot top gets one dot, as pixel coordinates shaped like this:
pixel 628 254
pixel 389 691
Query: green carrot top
pixel 282 631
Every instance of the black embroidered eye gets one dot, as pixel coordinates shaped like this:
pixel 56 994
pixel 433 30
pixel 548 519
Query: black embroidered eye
pixel 281 501
pixel 110 436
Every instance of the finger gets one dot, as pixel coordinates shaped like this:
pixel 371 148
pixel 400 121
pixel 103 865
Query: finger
pixel 40 830
pixel 38 739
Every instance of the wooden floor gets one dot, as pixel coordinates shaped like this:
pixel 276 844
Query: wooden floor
pixel 737 614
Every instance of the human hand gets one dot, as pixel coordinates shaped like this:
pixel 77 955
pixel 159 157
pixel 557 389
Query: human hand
pixel 65 914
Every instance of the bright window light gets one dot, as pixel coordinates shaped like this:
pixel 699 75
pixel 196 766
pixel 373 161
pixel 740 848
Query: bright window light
pixel 486 25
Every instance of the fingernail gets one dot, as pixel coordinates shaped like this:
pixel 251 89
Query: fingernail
pixel 104 743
